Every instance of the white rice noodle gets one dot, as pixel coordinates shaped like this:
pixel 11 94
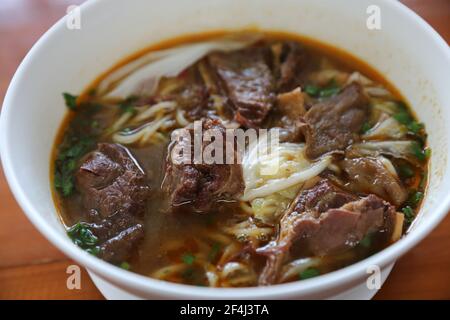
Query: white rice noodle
pixel 294 268
pixel 276 185
pixel 229 252
pixel 378 92
pixel 168 271
pixel 164 106
pixel 358 77
pixel 247 229
pixel 144 75
pixel 384 106
pixel 325 76
pixel 213 278
pixel 238 274
pixel 217 237
pixel 143 133
pixel 181 119
pixel 120 122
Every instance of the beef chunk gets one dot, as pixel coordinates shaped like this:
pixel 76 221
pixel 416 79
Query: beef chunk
pixel 292 63
pixel 288 111
pixel 327 220
pixel 114 190
pixel 369 175
pixel 248 82
pixel 199 186
pixel 334 124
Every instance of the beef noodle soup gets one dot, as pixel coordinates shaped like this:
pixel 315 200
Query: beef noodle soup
pixel 344 180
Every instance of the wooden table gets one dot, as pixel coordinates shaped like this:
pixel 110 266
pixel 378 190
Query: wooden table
pixel 31 268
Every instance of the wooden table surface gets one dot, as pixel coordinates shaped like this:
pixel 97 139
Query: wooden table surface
pixel 31 268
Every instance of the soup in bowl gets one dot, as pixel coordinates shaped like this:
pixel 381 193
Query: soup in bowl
pixel 334 151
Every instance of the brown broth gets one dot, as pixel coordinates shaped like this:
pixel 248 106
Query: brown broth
pixel 170 239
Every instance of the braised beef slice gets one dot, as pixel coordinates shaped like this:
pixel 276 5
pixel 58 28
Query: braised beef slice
pixel 369 175
pixel 199 186
pixel 193 98
pixel 327 220
pixel 292 66
pixel 114 190
pixel 334 124
pixel 248 82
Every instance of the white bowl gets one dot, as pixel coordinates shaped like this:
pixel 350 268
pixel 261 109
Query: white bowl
pixel 406 50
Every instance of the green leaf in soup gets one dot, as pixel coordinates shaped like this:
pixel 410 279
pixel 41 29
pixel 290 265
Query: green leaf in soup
pixel 365 127
pixel 82 236
pixel 125 265
pixel 408 212
pixel 329 92
pixel 188 258
pixel 312 90
pixel 70 100
pixel 415 198
pixel 419 152
pixel 309 273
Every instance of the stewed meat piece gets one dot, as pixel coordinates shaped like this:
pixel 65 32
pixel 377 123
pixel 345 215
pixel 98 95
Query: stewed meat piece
pixel 291 65
pixel 335 123
pixel 327 220
pixel 199 185
pixel 248 81
pixel 370 175
pixel 114 190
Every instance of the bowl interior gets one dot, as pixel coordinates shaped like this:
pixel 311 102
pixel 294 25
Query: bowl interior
pixel 68 60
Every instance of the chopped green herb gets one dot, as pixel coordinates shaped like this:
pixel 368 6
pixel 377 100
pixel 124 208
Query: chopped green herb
pixel 403 117
pixel 415 127
pixel 415 198
pixel 312 90
pixel 71 100
pixel 212 255
pixel 188 258
pixel 66 163
pixel 427 152
pixel 365 127
pixel 94 251
pixel 84 238
pixel 408 213
pixel 125 265
pixel 309 273
pixel 418 152
pixel 329 92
